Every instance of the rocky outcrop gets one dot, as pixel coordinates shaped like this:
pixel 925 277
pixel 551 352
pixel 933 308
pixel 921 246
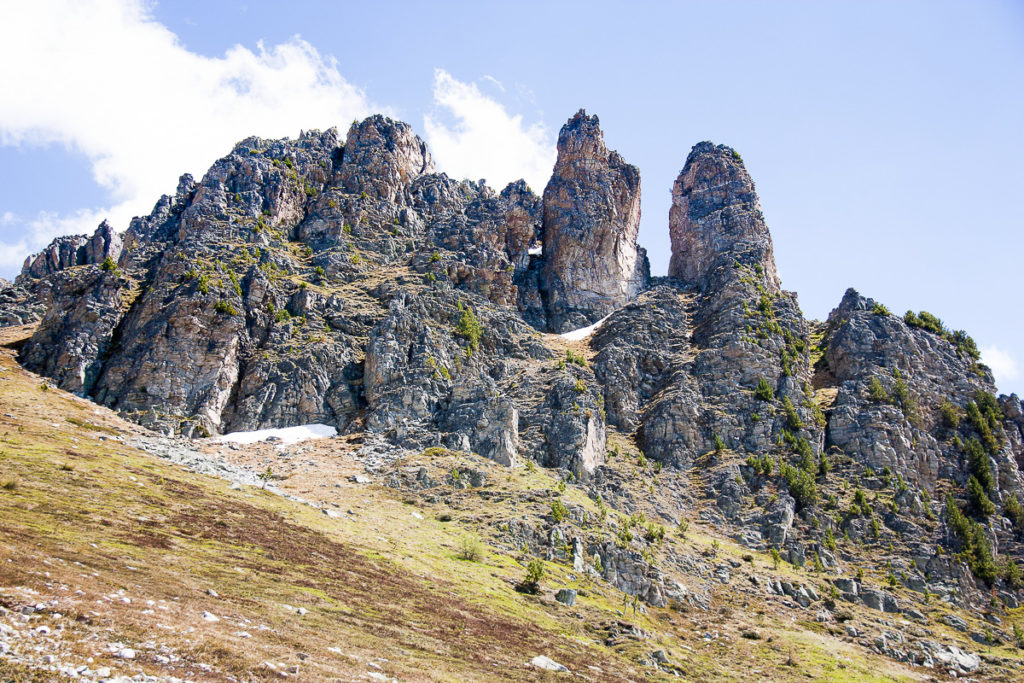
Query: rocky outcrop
pixel 917 371
pixel 739 335
pixel 716 219
pixel 72 250
pixel 62 252
pixel 626 570
pixel 20 306
pixel 72 338
pixel 381 157
pixel 486 246
pixel 348 283
pixel 592 264
pixel 105 243
pixel 631 369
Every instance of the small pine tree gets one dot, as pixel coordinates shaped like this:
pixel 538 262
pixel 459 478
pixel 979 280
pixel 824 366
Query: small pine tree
pixel 531 583
pixel 559 512
pixel 266 475
pixel 792 417
pixel 950 415
pixel 469 327
pixel 764 390
pixel 876 392
pixel 980 505
pixel 1015 512
pixel 979 466
pixel 830 540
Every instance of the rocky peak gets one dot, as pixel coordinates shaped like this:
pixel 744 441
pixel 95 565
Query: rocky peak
pixel 105 242
pixel 301 282
pixel 158 226
pixel 716 219
pixel 72 250
pixel 579 141
pixel 852 301
pixel 591 216
pixel 381 156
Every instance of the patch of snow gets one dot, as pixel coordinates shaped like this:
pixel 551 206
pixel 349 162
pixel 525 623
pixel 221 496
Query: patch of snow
pixel 286 435
pixel 535 251
pixel 546 663
pixel 584 332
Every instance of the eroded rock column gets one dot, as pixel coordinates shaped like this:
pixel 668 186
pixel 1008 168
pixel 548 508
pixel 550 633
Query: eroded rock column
pixel 592 264
pixel 716 219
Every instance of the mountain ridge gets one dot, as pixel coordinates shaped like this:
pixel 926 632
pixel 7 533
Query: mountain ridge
pixel 345 282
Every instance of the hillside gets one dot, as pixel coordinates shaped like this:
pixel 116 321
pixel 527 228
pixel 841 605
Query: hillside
pixel 728 488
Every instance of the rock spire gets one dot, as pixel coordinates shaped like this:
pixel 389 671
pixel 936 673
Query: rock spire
pixel 591 216
pixel 716 219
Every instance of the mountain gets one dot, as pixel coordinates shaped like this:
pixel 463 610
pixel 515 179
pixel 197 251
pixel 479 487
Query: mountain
pixel 689 444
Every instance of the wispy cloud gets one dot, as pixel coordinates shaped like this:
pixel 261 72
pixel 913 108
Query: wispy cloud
pixel 485 140
pixel 495 81
pixel 105 79
pixel 1004 366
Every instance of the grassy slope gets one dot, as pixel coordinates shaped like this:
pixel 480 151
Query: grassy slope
pixel 89 520
pixel 91 515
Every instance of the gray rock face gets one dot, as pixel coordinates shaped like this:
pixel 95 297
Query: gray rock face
pixel 592 264
pixel 865 345
pixel 880 600
pixel 308 280
pixel 486 245
pixel 952 657
pixel 627 570
pixel 381 157
pixel 63 252
pixel 955 621
pixel 104 243
pixel 20 306
pixel 576 434
pixel 70 251
pixel 740 335
pixel 716 218
pixel 75 333
pixel 631 368
pixel 566 596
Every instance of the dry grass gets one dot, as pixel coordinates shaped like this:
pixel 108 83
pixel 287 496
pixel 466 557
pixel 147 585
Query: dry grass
pixel 122 521
pixel 383 582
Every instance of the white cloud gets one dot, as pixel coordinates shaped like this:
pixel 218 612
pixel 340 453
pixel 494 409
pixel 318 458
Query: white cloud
pixel 495 81
pixel 486 141
pixel 105 79
pixel 1004 366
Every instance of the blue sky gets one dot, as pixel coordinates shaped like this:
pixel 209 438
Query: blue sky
pixel 885 138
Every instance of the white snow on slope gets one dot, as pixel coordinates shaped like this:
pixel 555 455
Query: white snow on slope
pixel 287 435
pixel 584 332
pixel 535 251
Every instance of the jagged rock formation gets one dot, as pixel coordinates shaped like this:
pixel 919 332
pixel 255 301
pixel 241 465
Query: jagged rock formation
pixel 716 219
pixel 77 329
pixel 19 306
pixel 866 344
pixel 72 250
pixel 592 264
pixel 381 157
pixel 348 283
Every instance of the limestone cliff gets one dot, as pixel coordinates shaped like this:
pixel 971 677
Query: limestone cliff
pixel 592 264
pixel 345 281
pixel 716 219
